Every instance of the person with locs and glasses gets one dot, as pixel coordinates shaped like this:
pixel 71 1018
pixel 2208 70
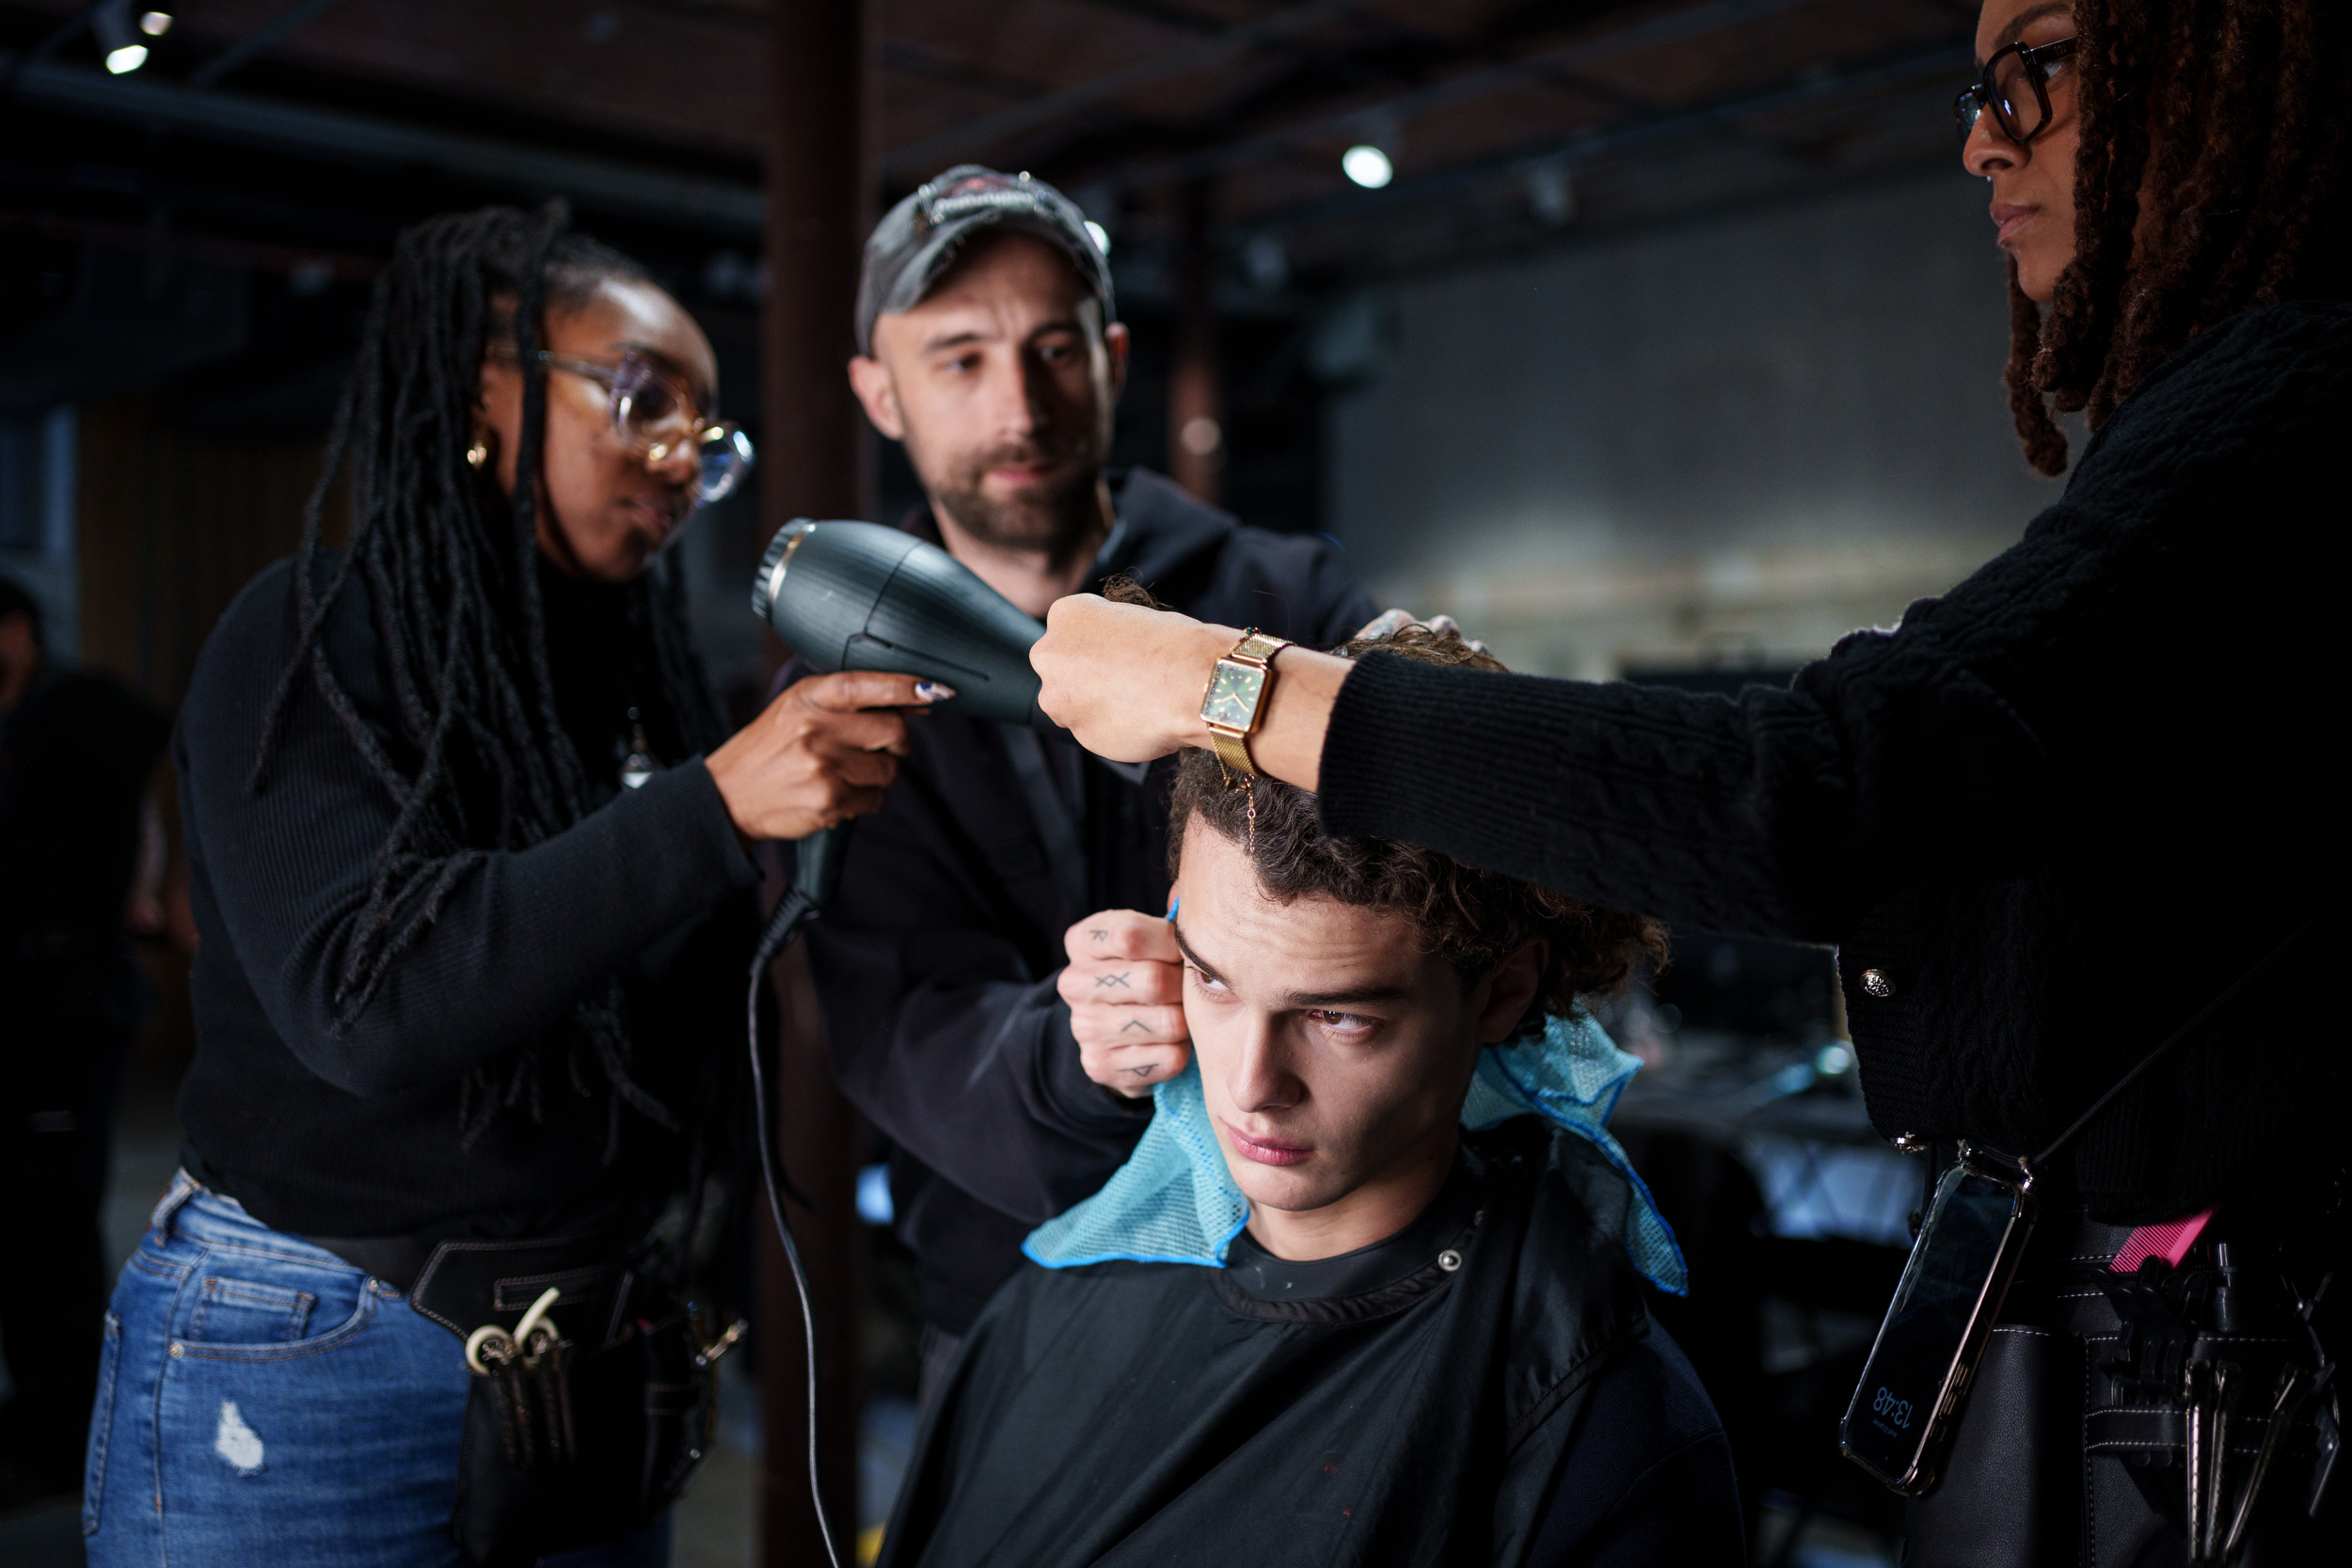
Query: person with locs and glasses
pixel 469 856
pixel 2073 826
pixel 960 986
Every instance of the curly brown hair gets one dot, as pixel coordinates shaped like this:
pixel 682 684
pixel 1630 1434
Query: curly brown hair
pixel 1472 918
pixel 2231 117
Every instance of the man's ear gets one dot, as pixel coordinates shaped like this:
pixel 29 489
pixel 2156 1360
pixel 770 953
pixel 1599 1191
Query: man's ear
pixel 1114 345
pixel 877 395
pixel 1511 990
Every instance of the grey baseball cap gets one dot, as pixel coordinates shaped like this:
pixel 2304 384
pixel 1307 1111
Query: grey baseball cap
pixel 919 238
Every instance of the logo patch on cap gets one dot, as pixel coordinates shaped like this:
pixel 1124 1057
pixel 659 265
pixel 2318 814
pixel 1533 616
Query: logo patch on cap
pixel 974 194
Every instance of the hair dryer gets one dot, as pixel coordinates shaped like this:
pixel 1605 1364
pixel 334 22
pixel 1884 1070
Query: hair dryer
pixel 846 595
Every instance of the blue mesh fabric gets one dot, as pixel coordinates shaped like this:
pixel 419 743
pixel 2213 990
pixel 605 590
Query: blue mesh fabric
pixel 1174 1200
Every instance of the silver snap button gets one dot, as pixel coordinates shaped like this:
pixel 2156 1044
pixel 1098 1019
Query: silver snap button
pixel 1449 1259
pixel 1876 982
pixel 179 1349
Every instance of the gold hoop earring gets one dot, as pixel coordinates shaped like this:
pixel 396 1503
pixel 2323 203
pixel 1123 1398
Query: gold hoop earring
pixel 477 454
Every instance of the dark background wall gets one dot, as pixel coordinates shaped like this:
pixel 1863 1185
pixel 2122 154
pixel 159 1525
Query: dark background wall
pixel 1727 438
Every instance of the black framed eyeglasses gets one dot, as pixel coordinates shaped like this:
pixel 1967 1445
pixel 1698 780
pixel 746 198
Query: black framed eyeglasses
pixel 2016 89
pixel 654 415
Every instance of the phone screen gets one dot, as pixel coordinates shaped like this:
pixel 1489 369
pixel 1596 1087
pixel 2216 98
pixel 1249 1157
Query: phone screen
pixel 1927 1325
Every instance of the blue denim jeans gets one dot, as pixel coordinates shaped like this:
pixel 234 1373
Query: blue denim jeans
pixel 258 1392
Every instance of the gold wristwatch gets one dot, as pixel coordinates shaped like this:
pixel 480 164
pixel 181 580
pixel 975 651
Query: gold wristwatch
pixel 1235 700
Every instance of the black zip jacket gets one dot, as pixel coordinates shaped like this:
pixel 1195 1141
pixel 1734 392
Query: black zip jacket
pixel 2045 821
pixel 936 961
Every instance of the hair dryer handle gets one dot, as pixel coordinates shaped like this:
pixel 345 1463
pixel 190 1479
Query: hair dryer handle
pixel 817 863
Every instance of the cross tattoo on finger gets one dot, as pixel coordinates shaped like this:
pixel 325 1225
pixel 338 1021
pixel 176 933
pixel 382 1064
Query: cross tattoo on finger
pixel 1118 979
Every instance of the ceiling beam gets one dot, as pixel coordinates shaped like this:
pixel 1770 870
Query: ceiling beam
pixel 261 40
pixel 63 34
pixel 636 190
pixel 925 157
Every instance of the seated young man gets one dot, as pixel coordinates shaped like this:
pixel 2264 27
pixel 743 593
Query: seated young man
pixel 1368 1288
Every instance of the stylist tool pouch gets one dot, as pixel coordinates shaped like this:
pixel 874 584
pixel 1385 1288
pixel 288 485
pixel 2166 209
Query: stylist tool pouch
pixel 592 1393
pixel 2144 1397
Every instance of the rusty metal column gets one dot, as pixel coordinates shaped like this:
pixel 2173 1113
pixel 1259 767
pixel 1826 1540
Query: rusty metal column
pixel 813 463
pixel 1196 409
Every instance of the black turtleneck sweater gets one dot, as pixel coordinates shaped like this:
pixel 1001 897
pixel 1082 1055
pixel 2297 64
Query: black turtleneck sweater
pixel 350 1131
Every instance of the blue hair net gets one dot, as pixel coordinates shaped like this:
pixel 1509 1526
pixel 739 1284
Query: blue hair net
pixel 1174 1201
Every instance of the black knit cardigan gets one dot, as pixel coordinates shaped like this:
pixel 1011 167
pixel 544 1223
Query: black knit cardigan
pixel 2044 819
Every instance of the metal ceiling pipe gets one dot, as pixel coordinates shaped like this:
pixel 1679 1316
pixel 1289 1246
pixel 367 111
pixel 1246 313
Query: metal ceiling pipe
pixel 366 141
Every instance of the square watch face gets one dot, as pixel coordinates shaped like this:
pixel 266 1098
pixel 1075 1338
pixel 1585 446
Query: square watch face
pixel 1233 699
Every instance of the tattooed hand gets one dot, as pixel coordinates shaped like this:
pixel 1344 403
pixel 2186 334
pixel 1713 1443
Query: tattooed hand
pixel 1125 986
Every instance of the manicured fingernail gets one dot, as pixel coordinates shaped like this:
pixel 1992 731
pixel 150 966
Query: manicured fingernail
pixel 1171 911
pixel 933 691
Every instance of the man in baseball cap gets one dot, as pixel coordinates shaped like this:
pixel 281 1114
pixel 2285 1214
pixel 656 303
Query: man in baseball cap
pixel 920 237
pixel 1005 872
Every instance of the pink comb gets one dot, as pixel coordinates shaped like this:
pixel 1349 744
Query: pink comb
pixel 2170 1240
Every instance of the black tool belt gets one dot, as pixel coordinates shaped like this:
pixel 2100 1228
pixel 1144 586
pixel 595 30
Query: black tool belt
pixel 593 1389
pixel 2143 1418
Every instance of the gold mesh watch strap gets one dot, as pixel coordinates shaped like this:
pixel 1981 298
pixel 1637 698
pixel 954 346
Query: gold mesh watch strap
pixel 1232 748
pixel 1256 647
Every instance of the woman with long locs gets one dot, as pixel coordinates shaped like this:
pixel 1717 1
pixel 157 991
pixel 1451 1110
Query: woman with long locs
pixel 471 859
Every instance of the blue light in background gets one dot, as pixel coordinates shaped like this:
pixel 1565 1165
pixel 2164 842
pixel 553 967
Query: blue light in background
pixel 873 1195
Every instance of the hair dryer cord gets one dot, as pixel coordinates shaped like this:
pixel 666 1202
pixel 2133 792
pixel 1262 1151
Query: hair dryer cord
pixel 793 911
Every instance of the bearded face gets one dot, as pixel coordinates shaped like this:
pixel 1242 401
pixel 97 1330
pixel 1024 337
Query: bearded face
pixel 1001 382
pixel 1052 512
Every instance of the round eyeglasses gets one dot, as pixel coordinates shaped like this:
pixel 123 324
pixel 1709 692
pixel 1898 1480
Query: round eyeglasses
pixel 654 415
pixel 2016 89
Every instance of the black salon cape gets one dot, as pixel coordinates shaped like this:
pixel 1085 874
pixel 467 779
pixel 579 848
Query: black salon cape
pixel 1514 1408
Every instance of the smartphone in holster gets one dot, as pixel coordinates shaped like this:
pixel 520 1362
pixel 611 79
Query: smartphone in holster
pixel 1908 1405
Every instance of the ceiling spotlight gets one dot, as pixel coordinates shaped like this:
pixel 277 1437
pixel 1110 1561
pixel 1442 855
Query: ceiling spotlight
pixel 1100 235
pixel 111 24
pixel 1367 166
pixel 154 23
